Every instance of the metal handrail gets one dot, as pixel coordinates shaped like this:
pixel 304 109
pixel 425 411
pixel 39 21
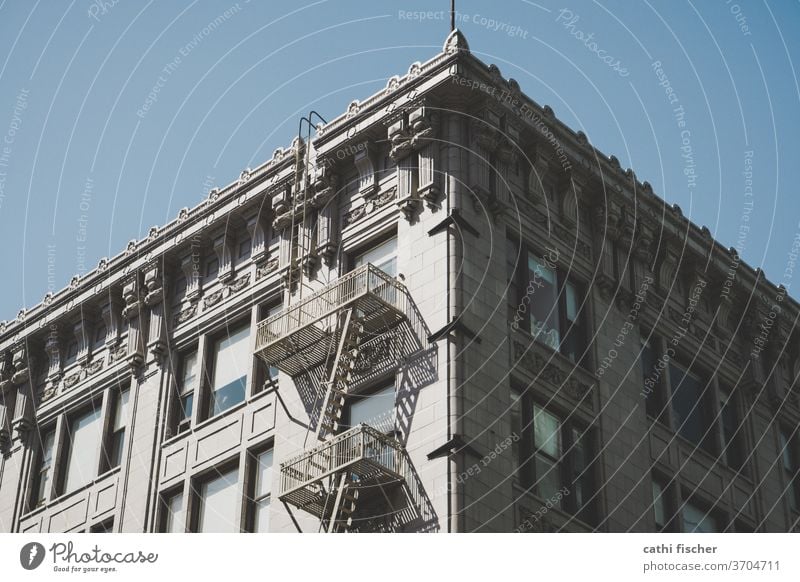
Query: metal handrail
pixel 358 443
pixel 363 280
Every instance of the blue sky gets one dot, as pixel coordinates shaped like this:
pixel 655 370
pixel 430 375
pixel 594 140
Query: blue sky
pixel 84 168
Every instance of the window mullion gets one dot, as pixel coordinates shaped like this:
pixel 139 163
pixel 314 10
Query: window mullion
pixel 107 417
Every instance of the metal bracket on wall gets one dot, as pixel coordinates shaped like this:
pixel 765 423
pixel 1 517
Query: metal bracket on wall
pixel 455 325
pixel 455 218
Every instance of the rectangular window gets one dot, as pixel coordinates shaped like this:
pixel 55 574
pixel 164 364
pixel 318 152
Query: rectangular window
pixel 212 268
pixel 85 436
pixel 218 504
pixel 231 361
pixel 186 388
pixel 731 431
pixel 546 303
pixel 697 520
pixel 690 406
pixel 44 474
pixel 383 256
pixel 261 491
pixel 790 470
pixel 116 440
pixel 375 409
pixel 554 459
pixel 173 514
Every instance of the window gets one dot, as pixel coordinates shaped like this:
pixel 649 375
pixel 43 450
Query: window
pixel 690 407
pixel 100 335
pixel 516 429
pixel 651 387
pixel 244 248
pixel 173 513
pixel 553 456
pixel 376 409
pixel 547 304
pixel 116 440
pixel 72 351
pixel 212 267
pixel 218 504
pixel 790 469
pixel 697 520
pixel 180 286
pixel 186 386
pixel 44 473
pixel 731 432
pixel 85 435
pixel 383 256
pixel 231 360
pixel 261 491
pixel 661 512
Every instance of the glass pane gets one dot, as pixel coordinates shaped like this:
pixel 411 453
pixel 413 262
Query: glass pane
pixel 189 370
pixel 231 360
pixel 688 404
pixel 572 302
pixel 548 481
pixel 261 523
pixel 219 504
pixel 263 474
pixel 543 293
pixel 175 515
pixel 121 414
pixel 85 437
pixel 658 505
pixel 546 433
pixel 272 371
pixel 46 467
pixel 376 410
pixel 186 406
pixel 383 256
pixel 695 520
pixel 650 384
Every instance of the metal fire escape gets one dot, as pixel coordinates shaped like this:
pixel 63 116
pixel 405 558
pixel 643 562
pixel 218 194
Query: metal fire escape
pixel 332 337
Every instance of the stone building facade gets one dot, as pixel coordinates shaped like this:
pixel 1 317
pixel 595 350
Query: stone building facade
pixel 445 312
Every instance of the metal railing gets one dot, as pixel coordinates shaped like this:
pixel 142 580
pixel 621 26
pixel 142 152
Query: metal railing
pixel 360 443
pixel 367 279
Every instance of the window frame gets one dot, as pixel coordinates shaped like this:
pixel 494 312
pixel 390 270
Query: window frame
pixel 110 446
pixel 181 422
pixel 208 370
pixel 373 244
pixel 39 498
pixel 369 391
pixel 67 443
pixel 253 499
pixel 519 281
pixel 526 463
pixel 165 512
pixel 196 502
pixel 787 441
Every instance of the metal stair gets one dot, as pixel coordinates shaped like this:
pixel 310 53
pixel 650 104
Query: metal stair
pixel 366 320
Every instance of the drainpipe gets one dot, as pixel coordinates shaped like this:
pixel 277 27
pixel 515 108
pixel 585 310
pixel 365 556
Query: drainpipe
pixel 455 140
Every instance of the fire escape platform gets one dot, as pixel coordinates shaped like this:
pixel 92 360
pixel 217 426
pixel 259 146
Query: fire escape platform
pixel 370 457
pixel 302 336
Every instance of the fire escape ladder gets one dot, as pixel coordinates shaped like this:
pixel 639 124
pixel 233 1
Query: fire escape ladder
pixel 339 379
pixel 345 505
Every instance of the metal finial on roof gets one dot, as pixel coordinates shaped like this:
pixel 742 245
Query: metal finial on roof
pixel 452 15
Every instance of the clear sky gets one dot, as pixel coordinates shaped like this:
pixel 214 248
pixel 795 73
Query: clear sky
pixel 116 114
